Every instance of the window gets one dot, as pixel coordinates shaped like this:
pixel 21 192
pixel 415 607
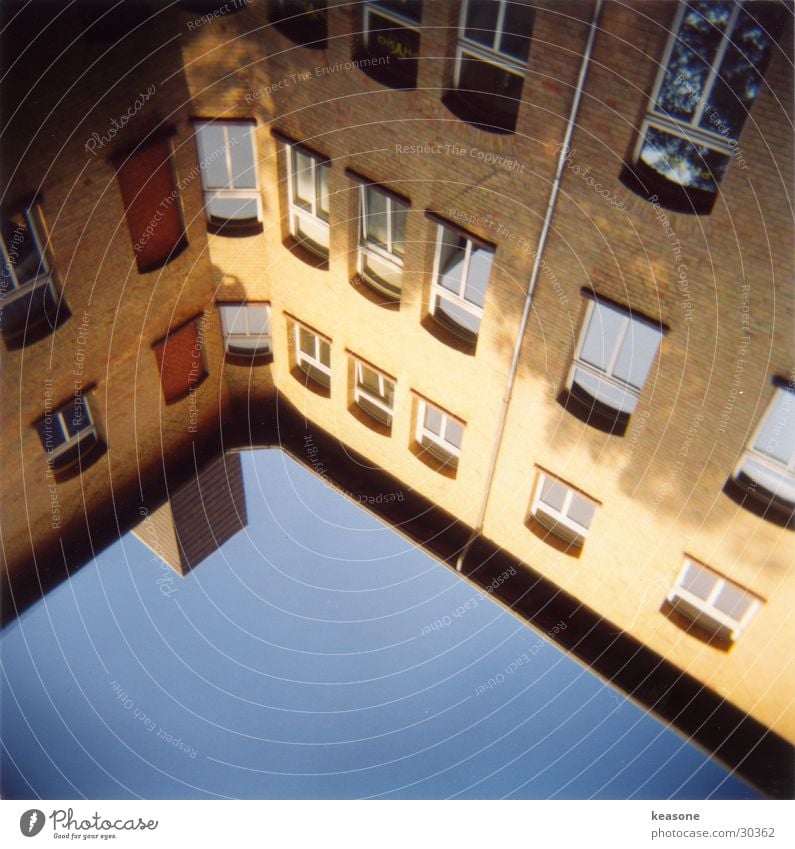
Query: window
pixel 374 392
pixel 313 355
pixel 460 277
pixel 307 193
pixel 152 205
pixel 391 32
pixel 68 433
pixel 491 59
pixel 304 22
pixel 382 237
pixel 565 511
pixel 712 602
pixel 29 299
pixel 439 433
pixel 246 328
pixel 613 357
pixel 767 467
pixel 711 72
pixel 180 358
pixel 229 175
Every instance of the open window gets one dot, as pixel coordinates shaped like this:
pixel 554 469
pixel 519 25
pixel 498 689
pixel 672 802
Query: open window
pixel 382 239
pixel 461 271
pixel 766 470
pixel 712 603
pixel 228 162
pixel 711 73
pixel 69 433
pixel 390 46
pixel 439 433
pixel 491 60
pixel 31 305
pixel 247 329
pixel 562 509
pixel 612 359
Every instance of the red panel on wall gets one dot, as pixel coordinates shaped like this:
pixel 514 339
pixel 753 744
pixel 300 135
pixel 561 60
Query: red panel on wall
pixel 181 361
pixel 152 205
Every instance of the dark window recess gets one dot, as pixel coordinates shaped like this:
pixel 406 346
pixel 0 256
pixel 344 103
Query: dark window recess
pixel 389 48
pixel 152 205
pixel 31 305
pixel 68 434
pixel 714 69
pixel 304 22
pixel 491 60
pixel 180 358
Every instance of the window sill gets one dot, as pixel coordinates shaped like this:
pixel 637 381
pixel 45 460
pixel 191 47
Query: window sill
pixel 549 537
pixel 648 184
pixel 461 106
pixel 442 332
pixel 311 383
pixel 235 229
pixel 594 413
pixel 375 296
pixel 745 492
pixel 692 629
pixel 300 250
pixel 76 460
pixel 368 421
pixel 448 468
pixel 255 358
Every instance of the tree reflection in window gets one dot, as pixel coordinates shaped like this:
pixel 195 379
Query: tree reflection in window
pixel 713 73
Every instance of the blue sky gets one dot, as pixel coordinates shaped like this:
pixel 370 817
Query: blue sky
pixel 298 662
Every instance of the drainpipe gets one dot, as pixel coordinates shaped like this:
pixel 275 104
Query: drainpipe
pixel 553 198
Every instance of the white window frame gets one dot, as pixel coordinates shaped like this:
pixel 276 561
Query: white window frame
pixel 312 220
pixel 631 393
pixel 311 364
pixel 439 292
pixel 492 55
pixel 360 391
pixel 373 249
pixel 558 521
pixel 690 130
pixel 702 612
pixel 38 231
pixel 752 454
pixel 249 343
pixel 445 451
pixel 69 442
pixel 230 192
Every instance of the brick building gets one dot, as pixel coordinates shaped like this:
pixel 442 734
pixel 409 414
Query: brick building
pixel 527 265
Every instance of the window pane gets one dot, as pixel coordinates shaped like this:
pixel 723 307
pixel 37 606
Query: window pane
pixel 451 260
pixel 368 379
pixel 581 510
pixel 433 420
pixel 481 21
pixel 698 40
pixel 411 9
pixel 303 184
pixel 732 601
pixel 395 43
pixel 457 315
pixel 680 161
pixel 376 216
pixel 399 213
pixel 741 70
pixel 306 342
pixel 637 353
pixel 602 335
pixel 325 353
pixel 212 156
pixel 322 175
pixel 241 138
pixel 553 493
pixel 23 255
pixel 776 437
pixel 258 319
pixel 518 24
pixel 232 318
pixel 50 433
pixel 454 433
pixel 478 275
pixel 492 91
pixel 698 581
pixel 75 416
